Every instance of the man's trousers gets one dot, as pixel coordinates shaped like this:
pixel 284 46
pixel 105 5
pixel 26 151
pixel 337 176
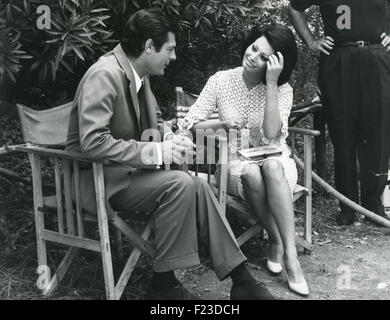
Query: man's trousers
pixel 355 87
pixel 185 210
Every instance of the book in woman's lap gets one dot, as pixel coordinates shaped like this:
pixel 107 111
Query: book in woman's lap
pixel 260 153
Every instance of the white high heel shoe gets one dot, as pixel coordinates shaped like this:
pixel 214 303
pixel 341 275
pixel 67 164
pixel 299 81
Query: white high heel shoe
pixel 300 288
pixel 275 268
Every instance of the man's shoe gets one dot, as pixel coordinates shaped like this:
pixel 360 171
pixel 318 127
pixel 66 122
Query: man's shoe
pixel 345 218
pixel 250 290
pixel 176 293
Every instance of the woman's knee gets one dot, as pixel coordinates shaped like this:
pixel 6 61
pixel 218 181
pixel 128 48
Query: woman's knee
pixel 273 170
pixel 251 177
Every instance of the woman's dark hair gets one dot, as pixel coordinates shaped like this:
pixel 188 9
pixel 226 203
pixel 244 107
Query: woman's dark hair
pixel 281 39
pixel 143 25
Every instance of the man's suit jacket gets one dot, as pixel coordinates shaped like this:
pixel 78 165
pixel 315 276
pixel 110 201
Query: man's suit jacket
pixel 105 124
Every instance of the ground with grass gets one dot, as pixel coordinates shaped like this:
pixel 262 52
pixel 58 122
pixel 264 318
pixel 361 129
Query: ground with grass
pixel 346 263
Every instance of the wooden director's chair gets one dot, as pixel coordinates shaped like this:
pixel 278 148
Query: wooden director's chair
pixel 45 134
pixel 235 205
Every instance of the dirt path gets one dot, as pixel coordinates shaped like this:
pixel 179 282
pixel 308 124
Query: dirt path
pixel 361 251
pixel 346 263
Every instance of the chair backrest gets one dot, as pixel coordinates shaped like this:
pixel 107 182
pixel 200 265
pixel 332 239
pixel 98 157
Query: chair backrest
pixel 46 127
pixel 184 101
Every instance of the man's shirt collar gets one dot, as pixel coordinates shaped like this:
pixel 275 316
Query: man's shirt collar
pixel 138 81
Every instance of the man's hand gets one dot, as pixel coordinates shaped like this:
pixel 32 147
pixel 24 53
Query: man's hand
pixel 324 45
pixel 275 66
pixel 385 41
pixel 177 149
pixel 184 141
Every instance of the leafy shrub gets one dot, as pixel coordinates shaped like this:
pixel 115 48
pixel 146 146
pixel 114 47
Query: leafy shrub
pixel 77 36
pixel 210 35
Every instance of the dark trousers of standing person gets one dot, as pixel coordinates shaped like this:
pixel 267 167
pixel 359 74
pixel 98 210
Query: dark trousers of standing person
pixel 355 86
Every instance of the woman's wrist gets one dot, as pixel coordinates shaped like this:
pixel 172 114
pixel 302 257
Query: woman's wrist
pixel 272 84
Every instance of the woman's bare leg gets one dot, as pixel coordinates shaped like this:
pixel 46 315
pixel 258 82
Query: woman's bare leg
pixel 256 197
pixel 281 207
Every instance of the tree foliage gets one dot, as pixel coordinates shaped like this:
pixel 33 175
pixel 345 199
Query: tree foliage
pixel 43 66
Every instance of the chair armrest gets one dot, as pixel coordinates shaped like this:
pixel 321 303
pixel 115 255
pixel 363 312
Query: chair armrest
pixel 222 165
pixel 306 108
pixel 307 132
pixel 6 150
pixel 55 153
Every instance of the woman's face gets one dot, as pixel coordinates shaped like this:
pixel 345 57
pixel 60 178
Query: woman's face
pixel 256 56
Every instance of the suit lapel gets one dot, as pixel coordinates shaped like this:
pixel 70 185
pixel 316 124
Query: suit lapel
pixel 150 101
pixel 125 65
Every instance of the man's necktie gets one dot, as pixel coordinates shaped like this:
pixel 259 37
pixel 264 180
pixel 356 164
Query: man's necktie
pixel 142 109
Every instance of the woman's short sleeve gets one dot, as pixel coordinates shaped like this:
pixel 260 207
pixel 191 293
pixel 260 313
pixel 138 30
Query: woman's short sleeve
pixel 204 106
pixel 285 101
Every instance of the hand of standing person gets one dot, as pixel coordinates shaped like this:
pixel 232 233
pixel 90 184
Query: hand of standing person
pixel 324 45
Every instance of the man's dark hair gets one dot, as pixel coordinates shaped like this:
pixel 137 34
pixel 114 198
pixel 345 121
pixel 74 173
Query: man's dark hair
pixel 143 25
pixel 281 39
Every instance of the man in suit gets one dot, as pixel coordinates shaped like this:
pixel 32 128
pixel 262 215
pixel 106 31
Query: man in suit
pixel 115 105
pixel 354 78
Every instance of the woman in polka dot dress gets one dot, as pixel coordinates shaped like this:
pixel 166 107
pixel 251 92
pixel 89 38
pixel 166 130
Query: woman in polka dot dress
pixel 256 100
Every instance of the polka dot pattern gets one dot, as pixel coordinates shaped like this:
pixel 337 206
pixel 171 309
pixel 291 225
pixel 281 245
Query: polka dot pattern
pixel 227 91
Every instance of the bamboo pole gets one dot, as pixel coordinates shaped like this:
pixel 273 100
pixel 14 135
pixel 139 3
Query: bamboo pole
pixel 369 214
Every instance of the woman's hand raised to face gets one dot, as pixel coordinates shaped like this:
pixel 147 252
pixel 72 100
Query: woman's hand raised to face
pixel 274 68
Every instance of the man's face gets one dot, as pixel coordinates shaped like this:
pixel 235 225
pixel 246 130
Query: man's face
pixel 158 61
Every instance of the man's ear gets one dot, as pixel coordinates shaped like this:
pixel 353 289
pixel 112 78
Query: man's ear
pixel 149 46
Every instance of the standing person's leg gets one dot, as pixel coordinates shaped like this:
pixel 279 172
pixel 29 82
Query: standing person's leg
pixel 170 196
pixel 374 126
pixel 340 96
pixel 228 259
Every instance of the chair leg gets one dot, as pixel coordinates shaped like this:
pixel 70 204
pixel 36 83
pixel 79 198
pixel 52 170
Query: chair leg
pixel 248 234
pixel 262 233
pixel 308 184
pixel 107 268
pixel 131 262
pixel 118 244
pixel 308 220
pixel 104 232
pixel 61 270
pixel 39 215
